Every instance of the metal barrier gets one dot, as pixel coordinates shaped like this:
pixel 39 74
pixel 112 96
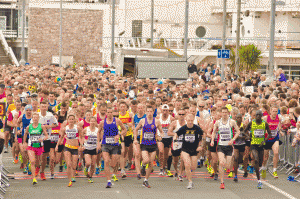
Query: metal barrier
pixel 289 157
pixel 4 181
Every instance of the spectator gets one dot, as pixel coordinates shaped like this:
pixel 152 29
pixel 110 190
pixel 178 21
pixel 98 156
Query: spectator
pixel 192 68
pixel 105 65
pixel 282 77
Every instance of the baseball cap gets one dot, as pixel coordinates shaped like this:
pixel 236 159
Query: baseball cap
pixel 28 107
pixel 165 106
pixel 159 82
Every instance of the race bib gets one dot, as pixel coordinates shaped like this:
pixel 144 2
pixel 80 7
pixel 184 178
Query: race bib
pixel 92 140
pixel 179 146
pixel 225 137
pixel 149 136
pixel 71 136
pixel 35 138
pixel 165 130
pixel 274 133
pixel 110 140
pixel 189 138
pixel 259 133
pixel 54 137
pixel 139 131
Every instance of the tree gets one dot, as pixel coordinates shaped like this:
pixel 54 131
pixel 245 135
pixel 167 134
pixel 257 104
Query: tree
pixel 249 58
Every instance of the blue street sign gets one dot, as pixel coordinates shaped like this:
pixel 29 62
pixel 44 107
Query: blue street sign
pixel 226 54
pixel 219 53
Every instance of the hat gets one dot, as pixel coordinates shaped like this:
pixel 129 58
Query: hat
pixel 28 107
pixel 2 86
pixel 165 107
pixel 34 95
pixel 159 82
pixel 16 83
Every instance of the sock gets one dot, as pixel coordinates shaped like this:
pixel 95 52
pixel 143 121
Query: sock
pixel 258 181
pixel 146 179
pixel 169 162
pixel 274 169
pixel 263 168
pixel 108 181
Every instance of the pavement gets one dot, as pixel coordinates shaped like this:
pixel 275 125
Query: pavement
pixel 131 188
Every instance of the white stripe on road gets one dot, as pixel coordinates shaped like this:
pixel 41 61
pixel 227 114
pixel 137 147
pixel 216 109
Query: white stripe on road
pixel 275 188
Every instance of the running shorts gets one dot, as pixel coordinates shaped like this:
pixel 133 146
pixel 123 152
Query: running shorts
pixel 72 151
pixel 90 152
pixel 213 149
pixel 47 145
pixel 241 148
pixel 167 142
pixel 37 151
pixel 227 150
pixel 191 152
pixel 149 148
pixel 112 150
pixel 176 153
pixel 128 140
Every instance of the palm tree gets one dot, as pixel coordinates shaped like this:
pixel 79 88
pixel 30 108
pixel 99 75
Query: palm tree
pixel 250 57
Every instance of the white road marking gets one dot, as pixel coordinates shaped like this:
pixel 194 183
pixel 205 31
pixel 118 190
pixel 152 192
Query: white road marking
pixel 275 188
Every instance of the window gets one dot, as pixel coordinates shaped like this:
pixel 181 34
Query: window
pixel 137 28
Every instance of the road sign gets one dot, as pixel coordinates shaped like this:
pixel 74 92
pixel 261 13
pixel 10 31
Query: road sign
pixel 226 54
pixel 219 53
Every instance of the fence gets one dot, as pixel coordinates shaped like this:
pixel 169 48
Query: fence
pixel 288 157
pixel 4 182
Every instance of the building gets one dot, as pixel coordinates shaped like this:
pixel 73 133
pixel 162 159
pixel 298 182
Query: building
pixel 87 30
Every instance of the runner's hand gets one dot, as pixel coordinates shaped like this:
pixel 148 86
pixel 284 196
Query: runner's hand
pixel 56 148
pixel 230 142
pixel 117 138
pixel 135 142
pixel 41 140
pixel 199 148
pixel 212 143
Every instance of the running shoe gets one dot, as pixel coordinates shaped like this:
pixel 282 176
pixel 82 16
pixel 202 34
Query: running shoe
pixel 212 175
pixel 206 163
pixel 275 174
pixel 154 163
pixel 235 179
pixel 16 161
pixel 251 170
pixel 43 176
pixel 97 171
pixel 52 176
pixel 190 185
pixel 79 166
pixel 199 164
pixel 227 171
pixel 180 178
pixel 146 184
pixel 176 175
pixel 263 174
pixel 169 174
pixel 157 163
pixel 60 168
pixel 25 170
pixel 216 176
pixel 143 171
pixel 34 182
pixel 85 171
pixel 5 150
pixel 73 180
pixel 90 180
pixel 114 178
pixel 124 175
pixel 37 169
pixel 241 167
pixel 65 165
pixel 230 175
pixel 22 166
pixel 259 186
pixel 76 173
pixel 138 176
pixel 161 173
pixel 132 167
pixel 245 175
pixel 70 184
pixel 108 185
pixel 222 186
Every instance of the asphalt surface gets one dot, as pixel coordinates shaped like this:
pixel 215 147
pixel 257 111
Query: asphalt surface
pixel 131 188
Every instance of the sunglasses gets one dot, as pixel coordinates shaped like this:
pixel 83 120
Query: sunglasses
pixel 170 110
pixel 224 100
pixel 201 106
pixel 181 114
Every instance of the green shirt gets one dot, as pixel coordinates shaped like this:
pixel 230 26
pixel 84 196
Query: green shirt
pixel 34 135
pixel 257 132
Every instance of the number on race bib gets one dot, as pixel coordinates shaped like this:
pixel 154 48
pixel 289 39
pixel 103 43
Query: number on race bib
pixel 110 140
pixel 190 138
pixel 259 133
pixel 179 146
pixel 54 137
pixel 274 133
pixel 139 131
pixel 149 136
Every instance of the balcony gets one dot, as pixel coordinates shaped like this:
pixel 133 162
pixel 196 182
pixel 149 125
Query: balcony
pixel 86 1
pixel 8 1
pixel 13 34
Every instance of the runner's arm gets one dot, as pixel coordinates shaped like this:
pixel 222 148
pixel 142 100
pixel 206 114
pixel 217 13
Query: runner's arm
pixel 214 132
pixel 81 136
pixel 236 129
pixel 159 127
pixel 100 135
pixel 45 133
pixel 62 135
pixel 135 131
pixel 124 130
pixel 171 129
pixel 268 131
pixel 25 133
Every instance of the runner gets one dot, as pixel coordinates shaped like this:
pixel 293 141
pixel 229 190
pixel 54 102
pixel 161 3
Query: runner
pixel 275 121
pixel 148 144
pixel 191 145
pixel 73 135
pixel 165 145
pixel 259 129
pixel 136 147
pixel 109 139
pixel 127 119
pixel 35 142
pixel 176 151
pixel 90 148
pixel 49 121
pixel 224 126
pixel 239 148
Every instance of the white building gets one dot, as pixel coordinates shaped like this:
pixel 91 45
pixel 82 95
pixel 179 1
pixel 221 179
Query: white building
pixel 133 19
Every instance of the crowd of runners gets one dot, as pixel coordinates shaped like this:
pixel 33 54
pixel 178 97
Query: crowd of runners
pixel 87 121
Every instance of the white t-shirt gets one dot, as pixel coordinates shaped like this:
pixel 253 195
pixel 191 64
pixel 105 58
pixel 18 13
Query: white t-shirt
pixel 49 119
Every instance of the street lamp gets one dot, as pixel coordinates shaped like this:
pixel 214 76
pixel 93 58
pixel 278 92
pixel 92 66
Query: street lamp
pixel 22 61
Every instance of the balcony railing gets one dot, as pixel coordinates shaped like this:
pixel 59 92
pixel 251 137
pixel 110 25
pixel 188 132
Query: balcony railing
pixel 201 44
pixel 86 1
pixel 20 32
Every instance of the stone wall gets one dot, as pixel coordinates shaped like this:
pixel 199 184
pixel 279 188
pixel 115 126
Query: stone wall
pixel 81 37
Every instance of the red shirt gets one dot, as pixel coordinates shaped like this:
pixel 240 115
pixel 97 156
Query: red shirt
pixel 3 95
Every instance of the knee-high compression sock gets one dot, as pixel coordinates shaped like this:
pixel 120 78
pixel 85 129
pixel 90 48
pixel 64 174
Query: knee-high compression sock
pixel 169 162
